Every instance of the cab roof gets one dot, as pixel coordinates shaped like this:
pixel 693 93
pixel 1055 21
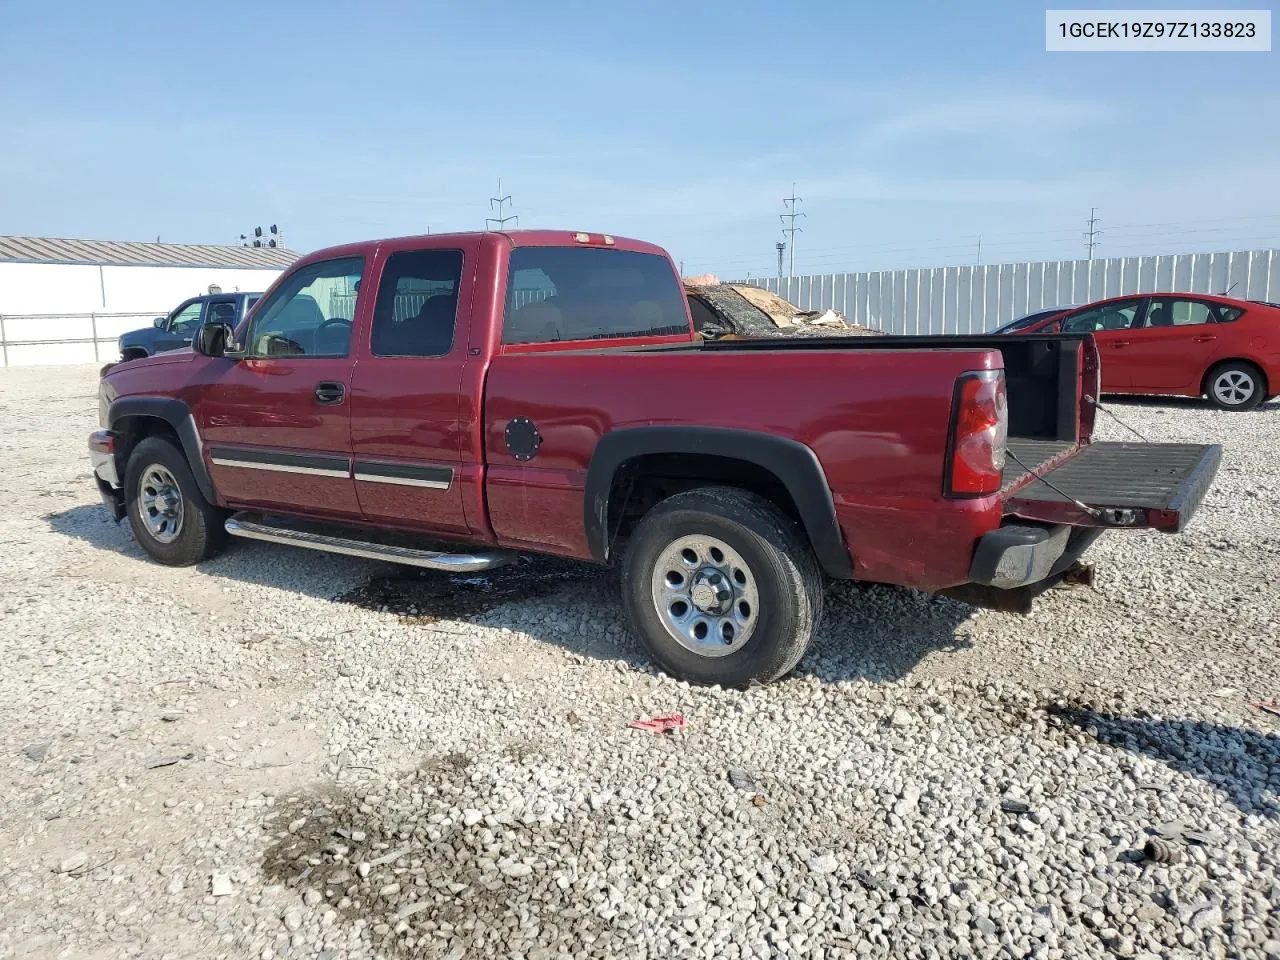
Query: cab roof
pixel 516 238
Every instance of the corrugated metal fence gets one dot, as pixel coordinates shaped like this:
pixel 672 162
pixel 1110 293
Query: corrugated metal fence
pixel 974 299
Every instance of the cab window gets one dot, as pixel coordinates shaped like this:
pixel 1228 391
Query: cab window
pixel 590 293
pixel 417 306
pixel 310 315
pixel 186 320
pixel 222 311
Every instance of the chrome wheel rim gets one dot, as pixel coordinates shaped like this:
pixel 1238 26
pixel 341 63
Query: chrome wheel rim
pixel 705 595
pixel 160 503
pixel 1233 387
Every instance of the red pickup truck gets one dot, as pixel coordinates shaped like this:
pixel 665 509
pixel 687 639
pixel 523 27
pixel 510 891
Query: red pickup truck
pixel 448 401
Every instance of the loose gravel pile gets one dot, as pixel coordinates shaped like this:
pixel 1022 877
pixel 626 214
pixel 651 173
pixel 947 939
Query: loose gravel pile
pixel 287 754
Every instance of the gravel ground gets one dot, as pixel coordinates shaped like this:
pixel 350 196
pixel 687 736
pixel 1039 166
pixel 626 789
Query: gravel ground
pixel 287 754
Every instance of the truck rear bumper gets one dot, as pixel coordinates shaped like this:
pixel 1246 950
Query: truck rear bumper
pixel 1017 555
pixel 1017 563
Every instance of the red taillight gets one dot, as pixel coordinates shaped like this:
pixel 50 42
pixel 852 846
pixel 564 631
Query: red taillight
pixel 980 426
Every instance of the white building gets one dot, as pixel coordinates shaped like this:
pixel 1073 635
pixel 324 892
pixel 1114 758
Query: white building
pixel 66 301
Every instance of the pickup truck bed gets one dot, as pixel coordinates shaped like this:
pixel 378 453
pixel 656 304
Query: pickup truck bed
pixel 447 401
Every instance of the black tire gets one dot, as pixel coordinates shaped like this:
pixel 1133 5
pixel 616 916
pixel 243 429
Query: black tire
pixel 133 355
pixel 199 532
pixel 784 574
pixel 1240 372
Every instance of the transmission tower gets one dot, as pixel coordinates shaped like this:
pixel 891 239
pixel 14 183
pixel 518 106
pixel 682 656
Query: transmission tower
pixel 1093 233
pixel 499 203
pixel 780 246
pixel 789 220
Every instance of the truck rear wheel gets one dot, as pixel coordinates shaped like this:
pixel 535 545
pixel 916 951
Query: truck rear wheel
pixel 722 587
pixel 170 517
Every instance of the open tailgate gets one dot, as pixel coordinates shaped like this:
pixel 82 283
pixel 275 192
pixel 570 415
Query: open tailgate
pixel 1157 485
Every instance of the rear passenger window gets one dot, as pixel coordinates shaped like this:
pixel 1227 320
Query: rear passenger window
pixel 581 293
pixel 1179 313
pixel 1227 314
pixel 417 306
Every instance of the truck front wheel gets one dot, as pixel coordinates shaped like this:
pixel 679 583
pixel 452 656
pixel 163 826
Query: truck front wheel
pixel 170 517
pixel 722 587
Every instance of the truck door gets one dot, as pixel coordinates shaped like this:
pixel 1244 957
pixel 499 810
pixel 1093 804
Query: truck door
pixel 411 414
pixel 276 423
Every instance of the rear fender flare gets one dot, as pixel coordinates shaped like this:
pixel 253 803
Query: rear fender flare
pixel 793 463
pixel 178 415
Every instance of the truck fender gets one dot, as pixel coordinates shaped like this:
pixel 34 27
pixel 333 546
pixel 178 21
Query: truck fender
pixel 793 463
pixel 178 415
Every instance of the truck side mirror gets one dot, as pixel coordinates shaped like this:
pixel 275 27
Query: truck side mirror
pixel 212 338
pixel 159 322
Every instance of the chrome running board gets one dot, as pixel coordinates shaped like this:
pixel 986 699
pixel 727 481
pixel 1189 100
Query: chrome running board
pixel 241 525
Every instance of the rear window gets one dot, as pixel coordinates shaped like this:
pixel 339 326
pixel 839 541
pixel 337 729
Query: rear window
pixel 589 293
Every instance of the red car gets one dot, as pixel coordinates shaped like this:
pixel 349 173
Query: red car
pixel 1185 344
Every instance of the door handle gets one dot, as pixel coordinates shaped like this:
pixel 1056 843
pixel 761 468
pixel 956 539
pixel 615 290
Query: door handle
pixel 1205 338
pixel 1119 343
pixel 330 391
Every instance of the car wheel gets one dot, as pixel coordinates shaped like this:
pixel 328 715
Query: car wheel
pixel 170 518
pixel 722 587
pixel 1235 386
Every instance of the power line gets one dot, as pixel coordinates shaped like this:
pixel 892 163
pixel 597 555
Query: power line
pixel 1092 234
pixel 1038 243
pixel 791 229
pixel 498 203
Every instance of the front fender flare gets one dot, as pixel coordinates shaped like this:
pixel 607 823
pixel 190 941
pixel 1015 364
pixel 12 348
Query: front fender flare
pixel 178 415
pixel 793 463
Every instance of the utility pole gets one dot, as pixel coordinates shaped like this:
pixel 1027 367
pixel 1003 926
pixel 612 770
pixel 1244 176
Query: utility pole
pixel 789 218
pixel 499 203
pixel 780 246
pixel 1093 233
pixel 979 249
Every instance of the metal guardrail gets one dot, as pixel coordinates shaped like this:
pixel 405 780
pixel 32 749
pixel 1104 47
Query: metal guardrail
pixel 144 319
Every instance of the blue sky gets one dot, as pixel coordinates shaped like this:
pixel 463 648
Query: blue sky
pixel 910 129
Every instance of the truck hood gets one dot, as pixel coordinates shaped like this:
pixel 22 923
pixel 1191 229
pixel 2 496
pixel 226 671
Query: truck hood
pixel 182 355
